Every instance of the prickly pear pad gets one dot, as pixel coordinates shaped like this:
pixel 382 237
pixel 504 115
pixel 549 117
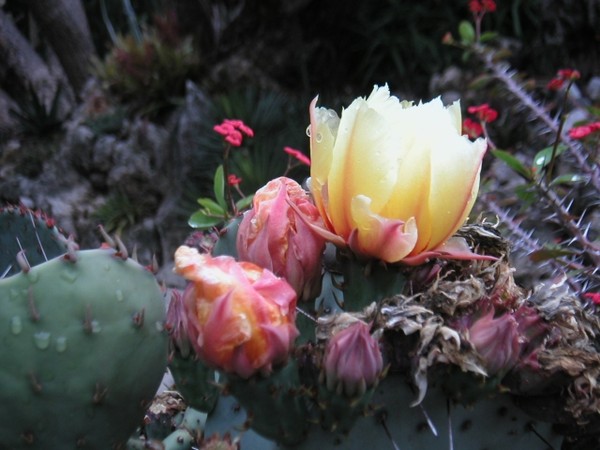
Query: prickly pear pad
pixel 82 351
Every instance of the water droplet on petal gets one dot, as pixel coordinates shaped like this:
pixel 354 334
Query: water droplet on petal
pixel 319 137
pixel 308 131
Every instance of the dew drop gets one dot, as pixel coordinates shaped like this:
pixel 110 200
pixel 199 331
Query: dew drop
pixel 16 326
pixel 61 344
pixel 319 138
pixel 119 295
pixel 308 131
pixel 96 328
pixel 41 340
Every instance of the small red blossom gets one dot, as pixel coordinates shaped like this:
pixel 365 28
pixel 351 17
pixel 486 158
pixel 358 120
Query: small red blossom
pixel 594 297
pixel 298 155
pixel 562 75
pixel 584 130
pixel 555 84
pixel 233 130
pixel 233 180
pixel 482 6
pixel 483 112
pixel 569 74
pixel 471 128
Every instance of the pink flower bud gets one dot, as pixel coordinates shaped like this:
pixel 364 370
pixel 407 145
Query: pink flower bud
pixel 273 236
pixel 497 341
pixel 504 340
pixel 353 360
pixel 240 316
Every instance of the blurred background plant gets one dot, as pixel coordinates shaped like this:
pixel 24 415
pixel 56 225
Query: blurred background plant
pixel 551 205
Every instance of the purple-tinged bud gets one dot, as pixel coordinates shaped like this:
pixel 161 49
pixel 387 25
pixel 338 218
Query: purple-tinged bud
pixel 496 339
pixel 353 360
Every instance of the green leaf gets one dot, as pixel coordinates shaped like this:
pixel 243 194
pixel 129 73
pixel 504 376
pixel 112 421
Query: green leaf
pixel 466 32
pixel 569 178
pixel 543 157
pixel 481 82
pixel 549 253
pixel 513 163
pixel 488 36
pixel 244 203
pixel 219 187
pixel 527 194
pixel 203 221
pixel 212 207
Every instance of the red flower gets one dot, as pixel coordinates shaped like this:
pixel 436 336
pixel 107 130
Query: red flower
pixel 484 112
pixel 555 84
pixel 561 76
pixel 482 6
pixel 233 180
pixel 233 131
pixel 584 130
pixel 569 74
pixel 593 296
pixel 472 129
pixel 298 155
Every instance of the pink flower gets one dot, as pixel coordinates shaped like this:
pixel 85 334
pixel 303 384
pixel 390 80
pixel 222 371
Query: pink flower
pixel 584 130
pixel 594 297
pixel 483 112
pixel 555 84
pixel 569 74
pixel 352 361
pixel 298 155
pixel 233 180
pixel 471 128
pixel 482 6
pixel 233 131
pixel 273 235
pixel 501 341
pixel 240 316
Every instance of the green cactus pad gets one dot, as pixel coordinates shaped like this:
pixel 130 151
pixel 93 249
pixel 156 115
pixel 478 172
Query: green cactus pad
pixel 35 234
pixel 82 352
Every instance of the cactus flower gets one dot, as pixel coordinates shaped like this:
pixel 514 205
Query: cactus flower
pixel 274 236
pixel 241 316
pixel 394 180
pixel 353 360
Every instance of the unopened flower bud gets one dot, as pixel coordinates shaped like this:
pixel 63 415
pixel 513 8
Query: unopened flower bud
pixel 353 360
pixel 273 236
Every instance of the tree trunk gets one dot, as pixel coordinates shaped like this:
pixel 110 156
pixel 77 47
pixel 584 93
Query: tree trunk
pixel 65 26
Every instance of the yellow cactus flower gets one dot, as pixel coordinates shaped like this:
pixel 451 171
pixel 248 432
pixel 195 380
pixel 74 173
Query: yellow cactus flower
pixel 393 180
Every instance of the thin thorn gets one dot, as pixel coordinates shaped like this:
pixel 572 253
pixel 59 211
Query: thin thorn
pixel 121 249
pixel 429 421
pixel 305 314
pixel 10 266
pixel 450 434
pixel 106 237
pixel 382 418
